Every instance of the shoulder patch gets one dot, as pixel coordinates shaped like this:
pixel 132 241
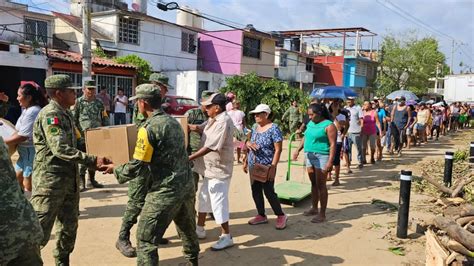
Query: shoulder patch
pixel 54 130
pixel 52 120
pixel 143 147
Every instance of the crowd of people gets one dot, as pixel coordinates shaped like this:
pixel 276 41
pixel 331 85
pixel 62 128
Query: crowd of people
pixel 163 175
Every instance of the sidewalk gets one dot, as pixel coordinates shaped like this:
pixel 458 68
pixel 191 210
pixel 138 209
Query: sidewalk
pixel 352 235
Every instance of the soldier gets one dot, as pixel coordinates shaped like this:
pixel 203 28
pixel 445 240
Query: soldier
pixel 161 156
pixel 196 116
pixel 20 230
pixel 3 104
pixel 55 169
pixel 89 112
pixel 294 117
pixel 159 80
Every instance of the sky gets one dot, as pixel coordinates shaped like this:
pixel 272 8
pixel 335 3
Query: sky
pixel 443 19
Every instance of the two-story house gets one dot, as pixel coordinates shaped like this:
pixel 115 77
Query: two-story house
pixel 294 67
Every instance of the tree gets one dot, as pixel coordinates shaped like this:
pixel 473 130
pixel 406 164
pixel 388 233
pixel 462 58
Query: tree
pixel 252 91
pixel 408 62
pixel 143 67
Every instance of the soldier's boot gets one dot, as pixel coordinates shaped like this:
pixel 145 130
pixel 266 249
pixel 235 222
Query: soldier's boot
pixel 82 183
pixel 62 261
pixel 123 243
pixel 94 182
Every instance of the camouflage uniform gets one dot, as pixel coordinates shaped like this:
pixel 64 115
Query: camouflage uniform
pixel 55 172
pixel 137 118
pixel 20 230
pixel 4 109
pixel 295 118
pixel 89 114
pixel 161 157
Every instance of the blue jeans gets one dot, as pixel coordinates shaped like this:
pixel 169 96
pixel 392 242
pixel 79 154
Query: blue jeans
pixel 119 118
pixel 354 138
pixel 388 136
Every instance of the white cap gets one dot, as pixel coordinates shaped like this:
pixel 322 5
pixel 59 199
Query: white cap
pixel 376 98
pixel 261 108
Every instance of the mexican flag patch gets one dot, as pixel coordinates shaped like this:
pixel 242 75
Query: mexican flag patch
pixel 53 121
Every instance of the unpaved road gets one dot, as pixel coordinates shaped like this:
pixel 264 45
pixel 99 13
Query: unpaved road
pixel 355 234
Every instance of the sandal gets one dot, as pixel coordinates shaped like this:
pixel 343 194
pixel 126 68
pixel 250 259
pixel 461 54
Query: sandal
pixel 318 220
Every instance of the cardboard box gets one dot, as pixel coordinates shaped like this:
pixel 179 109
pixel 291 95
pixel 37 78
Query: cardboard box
pixel 183 120
pixel 114 142
pixel 7 129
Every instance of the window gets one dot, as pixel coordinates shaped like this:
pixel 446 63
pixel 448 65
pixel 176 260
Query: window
pixel 188 42
pixel 283 60
pixel 129 30
pixel 36 31
pixel 309 64
pixel 251 47
pixel 185 101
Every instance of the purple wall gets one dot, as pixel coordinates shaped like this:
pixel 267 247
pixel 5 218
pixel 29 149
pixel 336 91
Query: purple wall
pixel 219 56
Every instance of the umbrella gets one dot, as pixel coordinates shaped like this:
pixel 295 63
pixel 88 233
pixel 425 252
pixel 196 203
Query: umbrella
pixel 333 92
pixel 412 102
pixel 402 93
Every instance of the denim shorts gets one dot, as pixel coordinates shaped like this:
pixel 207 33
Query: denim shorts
pixel 25 160
pixel 316 160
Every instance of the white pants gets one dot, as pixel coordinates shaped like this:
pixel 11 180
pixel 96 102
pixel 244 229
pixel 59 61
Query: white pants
pixel 214 197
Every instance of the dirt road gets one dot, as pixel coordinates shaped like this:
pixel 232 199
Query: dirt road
pixel 356 232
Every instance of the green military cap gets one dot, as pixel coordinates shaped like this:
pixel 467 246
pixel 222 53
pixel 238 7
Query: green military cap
pixel 206 93
pixel 160 78
pixel 59 81
pixel 146 91
pixel 90 84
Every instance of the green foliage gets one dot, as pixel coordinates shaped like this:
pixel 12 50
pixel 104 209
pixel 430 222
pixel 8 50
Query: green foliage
pixel 144 67
pixel 99 52
pixel 460 156
pixel 408 62
pixel 252 91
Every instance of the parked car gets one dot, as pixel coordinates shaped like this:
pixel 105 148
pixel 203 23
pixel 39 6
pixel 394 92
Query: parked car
pixel 178 105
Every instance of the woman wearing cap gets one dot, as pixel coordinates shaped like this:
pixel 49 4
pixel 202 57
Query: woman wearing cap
pixel 265 148
pixel 214 160
pixel 319 145
pixel 31 100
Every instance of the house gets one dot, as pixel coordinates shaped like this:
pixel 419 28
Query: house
pixel 294 67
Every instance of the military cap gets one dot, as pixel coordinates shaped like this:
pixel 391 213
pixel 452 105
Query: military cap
pixel 159 78
pixel 90 84
pixel 146 91
pixel 206 93
pixel 59 81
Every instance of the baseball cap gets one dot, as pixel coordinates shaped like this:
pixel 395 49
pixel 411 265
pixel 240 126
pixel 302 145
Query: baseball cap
pixel 350 98
pixel 261 108
pixel 146 91
pixel 376 98
pixel 216 98
pixel 60 81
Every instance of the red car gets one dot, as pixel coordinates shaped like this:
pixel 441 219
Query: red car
pixel 178 105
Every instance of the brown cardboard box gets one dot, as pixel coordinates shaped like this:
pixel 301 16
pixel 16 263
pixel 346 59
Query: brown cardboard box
pixel 183 120
pixel 114 142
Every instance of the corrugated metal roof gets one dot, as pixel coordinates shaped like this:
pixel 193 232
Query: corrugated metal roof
pixel 77 58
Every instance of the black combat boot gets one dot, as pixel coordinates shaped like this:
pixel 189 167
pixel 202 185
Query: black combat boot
pixel 94 183
pixel 82 183
pixel 125 247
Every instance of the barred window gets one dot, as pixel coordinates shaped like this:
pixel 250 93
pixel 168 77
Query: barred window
pixel 36 30
pixel 129 30
pixel 252 47
pixel 283 60
pixel 188 42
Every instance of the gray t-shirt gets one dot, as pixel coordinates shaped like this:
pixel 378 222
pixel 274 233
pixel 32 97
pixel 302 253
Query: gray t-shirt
pixel 354 122
pixel 24 125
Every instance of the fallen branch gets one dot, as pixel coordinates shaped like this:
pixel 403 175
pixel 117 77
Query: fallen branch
pixel 464 220
pixel 455 231
pixel 461 185
pixel 451 257
pixel 456 246
pixel 440 187
pixel 467 210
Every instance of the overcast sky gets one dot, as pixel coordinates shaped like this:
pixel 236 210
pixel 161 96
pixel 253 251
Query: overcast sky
pixel 454 18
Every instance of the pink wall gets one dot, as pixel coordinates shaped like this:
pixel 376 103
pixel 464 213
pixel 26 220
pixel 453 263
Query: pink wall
pixel 219 56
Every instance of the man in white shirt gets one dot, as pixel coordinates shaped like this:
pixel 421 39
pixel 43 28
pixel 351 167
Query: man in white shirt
pixel 121 102
pixel 355 128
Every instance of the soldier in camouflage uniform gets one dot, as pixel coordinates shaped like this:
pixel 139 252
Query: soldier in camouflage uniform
pixel 161 156
pixel 294 117
pixel 159 80
pixel 196 116
pixel 89 112
pixel 55 195
pixel 20 231
pixel 3 104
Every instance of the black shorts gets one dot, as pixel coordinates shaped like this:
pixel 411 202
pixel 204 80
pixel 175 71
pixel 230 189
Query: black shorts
pixel 337 156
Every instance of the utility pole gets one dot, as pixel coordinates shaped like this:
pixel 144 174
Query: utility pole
pixel 452 57
pixel 86 41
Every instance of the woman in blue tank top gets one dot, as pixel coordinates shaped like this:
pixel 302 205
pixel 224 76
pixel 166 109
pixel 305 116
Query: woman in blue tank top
pixel 319 145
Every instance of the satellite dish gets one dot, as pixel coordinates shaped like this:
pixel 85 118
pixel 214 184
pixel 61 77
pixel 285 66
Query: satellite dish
pixel 136 7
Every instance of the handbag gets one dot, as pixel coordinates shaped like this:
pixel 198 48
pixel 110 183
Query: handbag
pixel 259 172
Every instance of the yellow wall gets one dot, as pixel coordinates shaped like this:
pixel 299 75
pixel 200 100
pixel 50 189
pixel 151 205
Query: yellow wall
pixel 264 66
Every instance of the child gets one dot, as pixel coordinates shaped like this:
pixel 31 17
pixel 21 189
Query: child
pixel 437 120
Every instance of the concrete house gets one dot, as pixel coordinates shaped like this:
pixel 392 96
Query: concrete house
pixel 294 67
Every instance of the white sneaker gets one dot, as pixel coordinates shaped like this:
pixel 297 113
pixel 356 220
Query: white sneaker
pixel 200 232
pixel 225 241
